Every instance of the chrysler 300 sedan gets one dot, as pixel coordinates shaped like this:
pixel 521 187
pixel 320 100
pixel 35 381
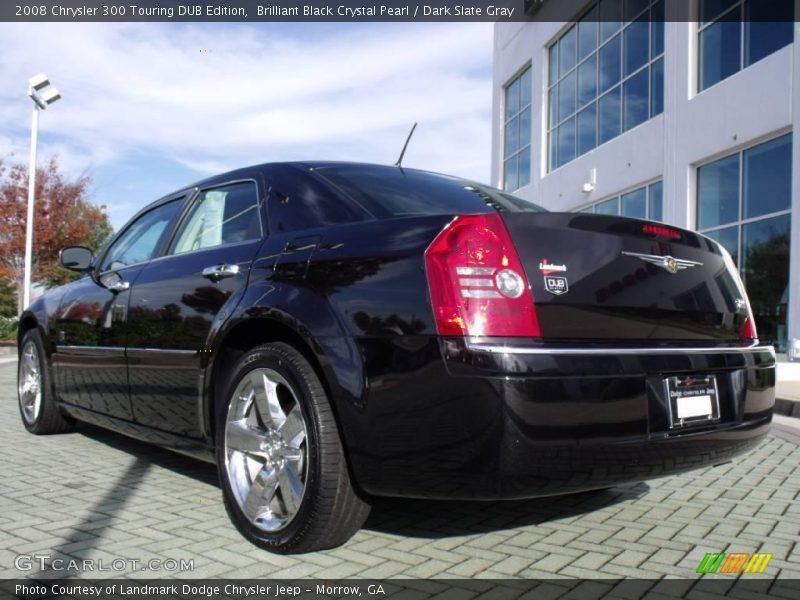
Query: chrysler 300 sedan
pixel 327 332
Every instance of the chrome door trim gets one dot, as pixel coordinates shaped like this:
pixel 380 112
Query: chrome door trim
pixel 68 349
pixel 118 349
pixel 139 349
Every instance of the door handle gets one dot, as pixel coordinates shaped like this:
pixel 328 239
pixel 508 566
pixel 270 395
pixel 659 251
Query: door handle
pixel 302 244
pixel 292 247
pixel 119 286
pixel 217 272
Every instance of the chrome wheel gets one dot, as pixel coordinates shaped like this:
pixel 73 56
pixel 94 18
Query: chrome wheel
pixel 266 452
pixel 29 383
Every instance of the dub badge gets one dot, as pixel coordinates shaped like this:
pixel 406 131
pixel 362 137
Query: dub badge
pixel 556 285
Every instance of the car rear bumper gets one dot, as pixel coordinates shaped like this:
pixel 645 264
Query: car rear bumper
pixel 499 420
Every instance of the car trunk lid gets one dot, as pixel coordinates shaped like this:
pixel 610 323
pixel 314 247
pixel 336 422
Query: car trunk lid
pixel 599 277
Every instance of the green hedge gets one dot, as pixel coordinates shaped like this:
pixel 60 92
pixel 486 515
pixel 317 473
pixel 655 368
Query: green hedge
pixel 8 328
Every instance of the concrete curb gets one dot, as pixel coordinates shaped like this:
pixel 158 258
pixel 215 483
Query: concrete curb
pixel 787 408
pixel 787 389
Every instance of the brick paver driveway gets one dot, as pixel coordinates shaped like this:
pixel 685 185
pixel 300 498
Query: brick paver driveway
pixel 93 494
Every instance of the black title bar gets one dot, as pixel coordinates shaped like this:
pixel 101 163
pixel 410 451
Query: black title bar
pixel 365 589
pixel 339 11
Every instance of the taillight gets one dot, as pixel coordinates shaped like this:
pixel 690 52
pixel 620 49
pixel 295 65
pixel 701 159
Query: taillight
pixel 748 331
pixel 476 280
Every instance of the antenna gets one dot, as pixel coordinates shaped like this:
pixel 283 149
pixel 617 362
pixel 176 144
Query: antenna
pixel 399 162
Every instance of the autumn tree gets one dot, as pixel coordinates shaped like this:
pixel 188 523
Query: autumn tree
pixel 8 299
pixel 63 217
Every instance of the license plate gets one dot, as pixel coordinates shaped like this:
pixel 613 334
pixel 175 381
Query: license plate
pixel 693 399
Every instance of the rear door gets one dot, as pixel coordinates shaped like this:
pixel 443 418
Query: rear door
pixel 179 297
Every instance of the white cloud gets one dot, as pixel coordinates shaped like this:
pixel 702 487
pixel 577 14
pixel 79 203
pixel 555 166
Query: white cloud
pixel 258 94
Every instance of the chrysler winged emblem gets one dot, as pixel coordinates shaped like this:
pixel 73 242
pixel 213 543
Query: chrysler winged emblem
pixel 670 264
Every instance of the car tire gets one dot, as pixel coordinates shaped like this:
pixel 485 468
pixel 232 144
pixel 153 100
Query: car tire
pixel 282 467
pixel 37 406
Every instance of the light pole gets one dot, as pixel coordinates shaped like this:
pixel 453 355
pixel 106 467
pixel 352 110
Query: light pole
pixel 42 94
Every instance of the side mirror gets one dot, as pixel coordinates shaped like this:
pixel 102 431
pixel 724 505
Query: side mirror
pixel 76 258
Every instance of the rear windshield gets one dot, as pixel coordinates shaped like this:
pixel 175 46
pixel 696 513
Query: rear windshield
pixel 393 192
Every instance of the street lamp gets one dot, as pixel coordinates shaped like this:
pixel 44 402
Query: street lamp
pixel 43 95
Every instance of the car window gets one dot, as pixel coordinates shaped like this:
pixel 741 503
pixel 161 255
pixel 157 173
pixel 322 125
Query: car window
pixel 392 192
pixel 222 215
pixel 300 201
pixel 139 241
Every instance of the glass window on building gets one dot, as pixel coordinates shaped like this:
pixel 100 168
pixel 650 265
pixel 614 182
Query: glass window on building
pixel 744 203
pixel 734 34
pixel 606 76
pixel 645 202
pixel 517 132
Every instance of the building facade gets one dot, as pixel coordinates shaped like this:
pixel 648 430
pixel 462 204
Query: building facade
pixel 624 111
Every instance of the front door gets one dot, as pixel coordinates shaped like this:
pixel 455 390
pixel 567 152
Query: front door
pixel 90 325
pixel 179 296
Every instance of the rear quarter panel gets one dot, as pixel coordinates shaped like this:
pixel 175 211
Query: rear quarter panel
pixel 361 303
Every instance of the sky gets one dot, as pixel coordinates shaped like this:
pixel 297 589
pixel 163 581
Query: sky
pixel 149 107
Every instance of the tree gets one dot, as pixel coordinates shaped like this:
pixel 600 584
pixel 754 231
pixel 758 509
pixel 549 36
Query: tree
pixel 63 217
pixel 8 299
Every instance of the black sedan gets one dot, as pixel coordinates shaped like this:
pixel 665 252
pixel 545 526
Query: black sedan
pixel 329 332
